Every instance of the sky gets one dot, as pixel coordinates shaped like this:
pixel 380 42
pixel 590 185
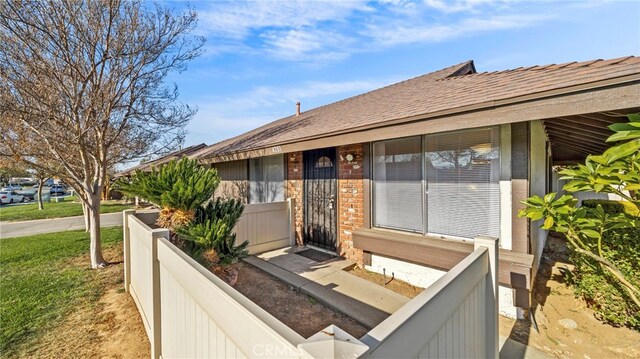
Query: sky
pixel 261 57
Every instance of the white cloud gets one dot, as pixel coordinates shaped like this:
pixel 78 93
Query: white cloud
pixel 319 32
pixel 238 19
pixel 453 6
pixel 310 45
pixel 401 34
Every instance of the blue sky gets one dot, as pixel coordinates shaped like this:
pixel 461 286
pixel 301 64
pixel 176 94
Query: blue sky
pixel 261 57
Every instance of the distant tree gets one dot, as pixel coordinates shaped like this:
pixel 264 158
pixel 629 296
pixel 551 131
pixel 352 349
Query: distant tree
pixel 82 86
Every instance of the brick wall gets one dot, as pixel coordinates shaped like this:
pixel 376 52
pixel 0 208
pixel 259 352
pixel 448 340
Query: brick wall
pixel 350 199
pixel 294 188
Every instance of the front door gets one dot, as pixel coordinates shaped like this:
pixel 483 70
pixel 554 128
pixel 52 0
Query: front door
pixel 320 198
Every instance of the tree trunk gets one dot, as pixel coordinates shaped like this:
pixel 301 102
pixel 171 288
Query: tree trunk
pixel 39 193
pixel 85 214
pixel 93 210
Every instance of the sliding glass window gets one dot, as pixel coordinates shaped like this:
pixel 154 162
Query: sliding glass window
pixel 448 183
pixel 266 179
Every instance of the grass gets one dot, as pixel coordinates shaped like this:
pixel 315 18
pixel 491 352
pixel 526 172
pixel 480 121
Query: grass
pixel 68 208
pixel 42 279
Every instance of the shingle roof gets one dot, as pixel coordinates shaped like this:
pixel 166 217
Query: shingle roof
pixel 161 160
pixel 454 87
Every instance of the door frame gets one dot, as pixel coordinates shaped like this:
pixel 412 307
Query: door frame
pixel 306 201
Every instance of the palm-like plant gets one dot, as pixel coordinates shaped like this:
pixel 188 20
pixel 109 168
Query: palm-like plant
pixel 212 235
pixel 178 187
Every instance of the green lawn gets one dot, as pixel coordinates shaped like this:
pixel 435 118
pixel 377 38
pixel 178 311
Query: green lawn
pixel 42 279
pixel 67 208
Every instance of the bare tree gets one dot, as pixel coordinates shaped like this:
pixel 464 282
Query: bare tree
pixel 82 85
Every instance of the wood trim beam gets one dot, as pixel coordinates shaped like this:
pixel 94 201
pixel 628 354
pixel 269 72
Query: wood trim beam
pixel 587 145
pixel 588 149
pixel 584 122
pixel 575 137
pixel 578 150
pixel 598 132
pixel 577 134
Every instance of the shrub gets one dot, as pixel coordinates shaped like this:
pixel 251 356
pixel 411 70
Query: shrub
pixel 609 206
pixel 603 293
pixel 211 236
pixel 179 187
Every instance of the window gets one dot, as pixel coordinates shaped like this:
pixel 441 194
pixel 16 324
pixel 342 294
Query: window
pixel 266 179
pixel 445 184
pixel 397 184
pixel 462 183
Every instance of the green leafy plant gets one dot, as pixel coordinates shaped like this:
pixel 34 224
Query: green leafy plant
pixel 211 235
pixel 603 293
pixel 611 207
pixel 587 230
pixel 179 187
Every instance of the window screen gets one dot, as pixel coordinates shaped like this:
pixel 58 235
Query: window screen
pixel 266 179
pixel 462 183
pixel 397 184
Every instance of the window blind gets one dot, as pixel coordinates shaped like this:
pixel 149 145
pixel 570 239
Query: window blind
pixel 266 179
pixel 397 184
pixel 462 183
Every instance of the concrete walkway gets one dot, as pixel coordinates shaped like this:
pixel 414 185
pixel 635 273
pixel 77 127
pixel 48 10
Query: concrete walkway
pixel 39 226
pixel 362 300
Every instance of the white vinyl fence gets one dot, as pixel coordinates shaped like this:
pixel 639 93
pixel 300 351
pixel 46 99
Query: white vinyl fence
pixel 267 226
pixel 456 317
pixel 189 312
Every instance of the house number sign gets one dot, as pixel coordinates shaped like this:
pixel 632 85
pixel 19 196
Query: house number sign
pixel 276 149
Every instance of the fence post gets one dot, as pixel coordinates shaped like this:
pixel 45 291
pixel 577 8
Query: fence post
pixel 491 309
pixel 126 242
pixel 156 320
pixel 332 342
pixel 291 207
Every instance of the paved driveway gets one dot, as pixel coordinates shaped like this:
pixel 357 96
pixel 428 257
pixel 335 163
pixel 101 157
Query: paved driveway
pixel 27 228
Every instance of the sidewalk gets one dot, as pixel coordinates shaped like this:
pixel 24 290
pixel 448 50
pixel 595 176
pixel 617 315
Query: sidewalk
pixel 39 226
pixel 362 300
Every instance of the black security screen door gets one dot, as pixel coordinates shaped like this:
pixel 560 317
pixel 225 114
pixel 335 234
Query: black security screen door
pixel 320 198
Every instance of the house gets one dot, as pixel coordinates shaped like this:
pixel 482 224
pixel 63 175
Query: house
pixel 403 178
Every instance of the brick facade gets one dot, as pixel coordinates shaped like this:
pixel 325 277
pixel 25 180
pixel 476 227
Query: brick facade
pixel 294 188
pixel 350 196
pixel 350 199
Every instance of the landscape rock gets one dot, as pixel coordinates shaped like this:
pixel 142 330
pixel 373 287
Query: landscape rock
pixel 568 323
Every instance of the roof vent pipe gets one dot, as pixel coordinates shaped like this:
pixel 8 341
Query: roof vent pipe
pixel 297 108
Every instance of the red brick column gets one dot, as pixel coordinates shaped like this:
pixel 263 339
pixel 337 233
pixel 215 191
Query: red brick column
pixel 350 199
pixel 294 188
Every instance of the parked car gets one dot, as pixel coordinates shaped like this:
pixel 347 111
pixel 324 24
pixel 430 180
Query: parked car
pixel 57 189
pixel 12 187
pixel 29 194
pixel 10 197
pixel 47 183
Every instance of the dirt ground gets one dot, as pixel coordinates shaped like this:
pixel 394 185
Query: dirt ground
pixel 395 285
pixel 107 328
pixel 300 312
pixel 554 300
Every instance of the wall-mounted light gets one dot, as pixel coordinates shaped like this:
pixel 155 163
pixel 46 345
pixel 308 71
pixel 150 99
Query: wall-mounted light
pixel 349 157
